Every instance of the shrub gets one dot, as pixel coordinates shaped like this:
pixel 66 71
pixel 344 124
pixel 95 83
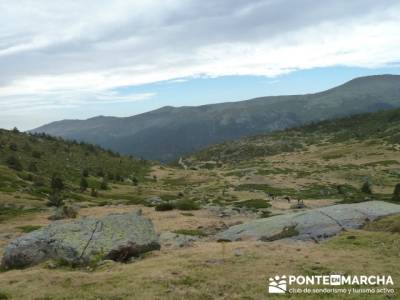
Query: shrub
pixel 56 183
pixel 55 199
pixel 93 193
pixel 165 206
pixel 104 184
pixel 38 181
pixel 70 211
pixel 83 184
pixel 32 167
pixel 14 163
pixel 4 296
pixel 396 193
pixel 29 228
pixel 85 173
pixel 13 147
pixel 254 204
pixel 36 154
pixel 186 204
pixel 366 188
pixel 195 232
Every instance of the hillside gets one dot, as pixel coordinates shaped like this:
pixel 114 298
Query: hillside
pixel 29 162
pixel 170 132
pixel 329 159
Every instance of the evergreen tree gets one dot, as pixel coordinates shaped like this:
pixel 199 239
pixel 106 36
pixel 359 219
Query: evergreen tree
pixel 85 173
pixel 56 183
pixel 83 184
pixel 396 193
pixel 366 188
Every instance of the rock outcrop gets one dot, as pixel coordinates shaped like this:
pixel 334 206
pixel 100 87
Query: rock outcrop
pixel 315 224
pixel 117 237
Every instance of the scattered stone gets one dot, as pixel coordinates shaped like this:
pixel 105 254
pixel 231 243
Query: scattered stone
pixel 116 237
pixel 238 252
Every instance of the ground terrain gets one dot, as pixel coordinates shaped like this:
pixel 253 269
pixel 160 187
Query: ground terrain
pixel 227 184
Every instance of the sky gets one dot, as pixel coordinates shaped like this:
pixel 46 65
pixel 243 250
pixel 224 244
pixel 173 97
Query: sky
pixel 79 59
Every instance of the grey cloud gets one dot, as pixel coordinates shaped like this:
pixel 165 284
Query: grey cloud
pixel 126 42
pixel 182 29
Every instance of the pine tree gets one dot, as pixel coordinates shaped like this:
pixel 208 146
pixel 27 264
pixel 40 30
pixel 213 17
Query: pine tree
pixel 83 184
pixel 396 193
pixel 366 188
pixel 56 183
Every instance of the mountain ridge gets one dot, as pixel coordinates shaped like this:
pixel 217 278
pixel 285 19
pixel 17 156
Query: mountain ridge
pixel 169 132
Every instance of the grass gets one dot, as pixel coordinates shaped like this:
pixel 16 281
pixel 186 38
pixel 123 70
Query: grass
pixel 186 204
pixel 29 228
pixel 7 213
pixel 165 206
pixel 195 232
pixel 285 233
pixel 190 273
pixel 265 188
pixel 253 204
pixel 388 224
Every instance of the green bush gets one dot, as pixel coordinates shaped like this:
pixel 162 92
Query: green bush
pixel 104 184
pixel 254 204
pixel 29 228
pixel 56 184
pixel 83 184
pixel 187 204
pixel 93 193
pixel 4 296
pixel 165 206
pixel 14 163
pixel 366 188
pixel 396 193
pixel 55 199
pixel 195 232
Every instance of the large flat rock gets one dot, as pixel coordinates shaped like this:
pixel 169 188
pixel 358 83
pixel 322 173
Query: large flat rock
pixel 315 224
pixel 116 236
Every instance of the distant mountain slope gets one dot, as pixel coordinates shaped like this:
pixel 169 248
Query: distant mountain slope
pixel 169 132
pixel 330 159
pixel 381 128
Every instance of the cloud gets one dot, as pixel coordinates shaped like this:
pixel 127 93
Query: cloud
pixel 54 54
